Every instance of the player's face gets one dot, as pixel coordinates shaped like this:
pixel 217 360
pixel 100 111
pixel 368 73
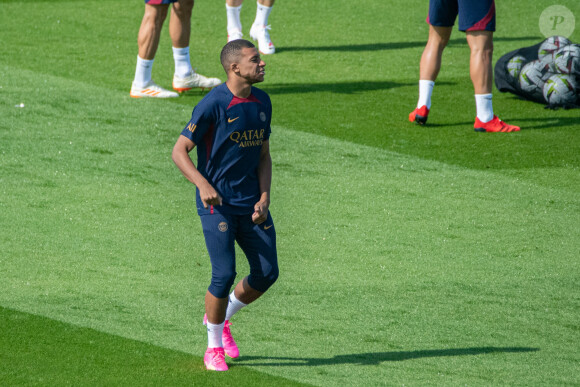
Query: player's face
pixel 251 65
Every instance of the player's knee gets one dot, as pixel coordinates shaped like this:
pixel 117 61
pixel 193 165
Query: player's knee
pixel 183 8
pixel 263 281
pixel 482 54
pixel 436 46
pixel 155 16
pixel 438 37
pixel 221 284
pixel 188 4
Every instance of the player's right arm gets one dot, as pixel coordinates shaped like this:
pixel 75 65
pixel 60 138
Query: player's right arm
pixel 180 156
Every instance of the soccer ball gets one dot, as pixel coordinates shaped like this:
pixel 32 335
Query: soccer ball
pixel 548 64
pixel 533 76
pixel 560 89
pixel 514 66
pixel 567 59
pixel 551 45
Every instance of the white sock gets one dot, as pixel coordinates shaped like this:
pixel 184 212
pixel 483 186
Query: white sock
pixel 234 305
pixel 214 335
pixel 484 107
pixel 233 14
pixel 425 91
pixel 182 62
pixel 262 13
pixel 143 72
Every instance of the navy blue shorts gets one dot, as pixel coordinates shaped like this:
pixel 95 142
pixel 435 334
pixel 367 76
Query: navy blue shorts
pixel 257 241
pixel 474 15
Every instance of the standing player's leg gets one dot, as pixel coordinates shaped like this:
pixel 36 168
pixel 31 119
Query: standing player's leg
pixel 148 41
pixel 477 20
pixel 150 30
pixel 481 72
pixel 441 18
pixel 184 77
pixel 430 64
pixel 234 27
pixel 219 232
pixel 180 32
pixel 428 71
pixel 260 27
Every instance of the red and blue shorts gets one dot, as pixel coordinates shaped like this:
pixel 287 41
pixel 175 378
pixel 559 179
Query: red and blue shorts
pixel 474 15
pixel 159 2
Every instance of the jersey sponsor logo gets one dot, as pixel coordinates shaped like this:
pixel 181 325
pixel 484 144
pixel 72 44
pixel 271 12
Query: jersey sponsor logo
pixel 223 226
pixel 191 127
pixel 268 227
pixel 230 120
pixel 248 138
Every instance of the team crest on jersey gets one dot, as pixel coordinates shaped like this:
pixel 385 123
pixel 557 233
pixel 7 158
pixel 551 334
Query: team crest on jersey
pixel 223 226
pixel 263 116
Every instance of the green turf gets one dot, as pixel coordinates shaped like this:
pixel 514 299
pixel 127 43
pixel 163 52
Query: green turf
pixel 39 351
pixel 409 255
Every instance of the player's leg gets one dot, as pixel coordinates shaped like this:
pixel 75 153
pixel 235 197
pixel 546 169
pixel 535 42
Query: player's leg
pixel 259 245
pixel 260 27
pixel 234 26
pixel 428 71
pixel 219 232
pixel 214 358
pixel 477 19
pixel 150 30
pixel 258 241
pixel 180 32
pixel 441 18
pixel 185 78
pixel 430 64
pixel 242 295
pixel 148 41
pixel 480 71
pixel 180 23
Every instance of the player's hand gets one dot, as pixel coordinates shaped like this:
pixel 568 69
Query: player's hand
pixel 260 212
pixel 209 196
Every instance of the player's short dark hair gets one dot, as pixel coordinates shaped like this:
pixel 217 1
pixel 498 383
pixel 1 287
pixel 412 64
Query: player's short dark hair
pixel 231 52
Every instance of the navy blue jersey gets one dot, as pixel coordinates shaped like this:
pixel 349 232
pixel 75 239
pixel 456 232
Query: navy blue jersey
pixel 228 132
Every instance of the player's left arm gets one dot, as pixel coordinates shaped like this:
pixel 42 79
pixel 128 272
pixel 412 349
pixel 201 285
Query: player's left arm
pixel 265 179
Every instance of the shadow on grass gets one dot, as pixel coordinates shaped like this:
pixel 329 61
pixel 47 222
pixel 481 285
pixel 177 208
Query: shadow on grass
pixel 545 122
pixel 353 87
pixel 430 125
pixel 375 358
pixel 536 123
pixel 391 45
pixel 37 350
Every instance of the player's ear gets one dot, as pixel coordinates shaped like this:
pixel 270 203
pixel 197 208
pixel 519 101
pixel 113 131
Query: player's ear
pixel 234 68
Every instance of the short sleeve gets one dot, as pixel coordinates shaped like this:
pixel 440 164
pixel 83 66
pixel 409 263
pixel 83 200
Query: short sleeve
pixel 201 120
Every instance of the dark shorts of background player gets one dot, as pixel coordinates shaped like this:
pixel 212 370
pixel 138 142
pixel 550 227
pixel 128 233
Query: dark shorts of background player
pixel 474 15
pixel 257 241
pixel 158 2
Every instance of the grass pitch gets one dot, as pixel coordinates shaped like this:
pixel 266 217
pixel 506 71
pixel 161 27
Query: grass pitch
pixel 409 255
